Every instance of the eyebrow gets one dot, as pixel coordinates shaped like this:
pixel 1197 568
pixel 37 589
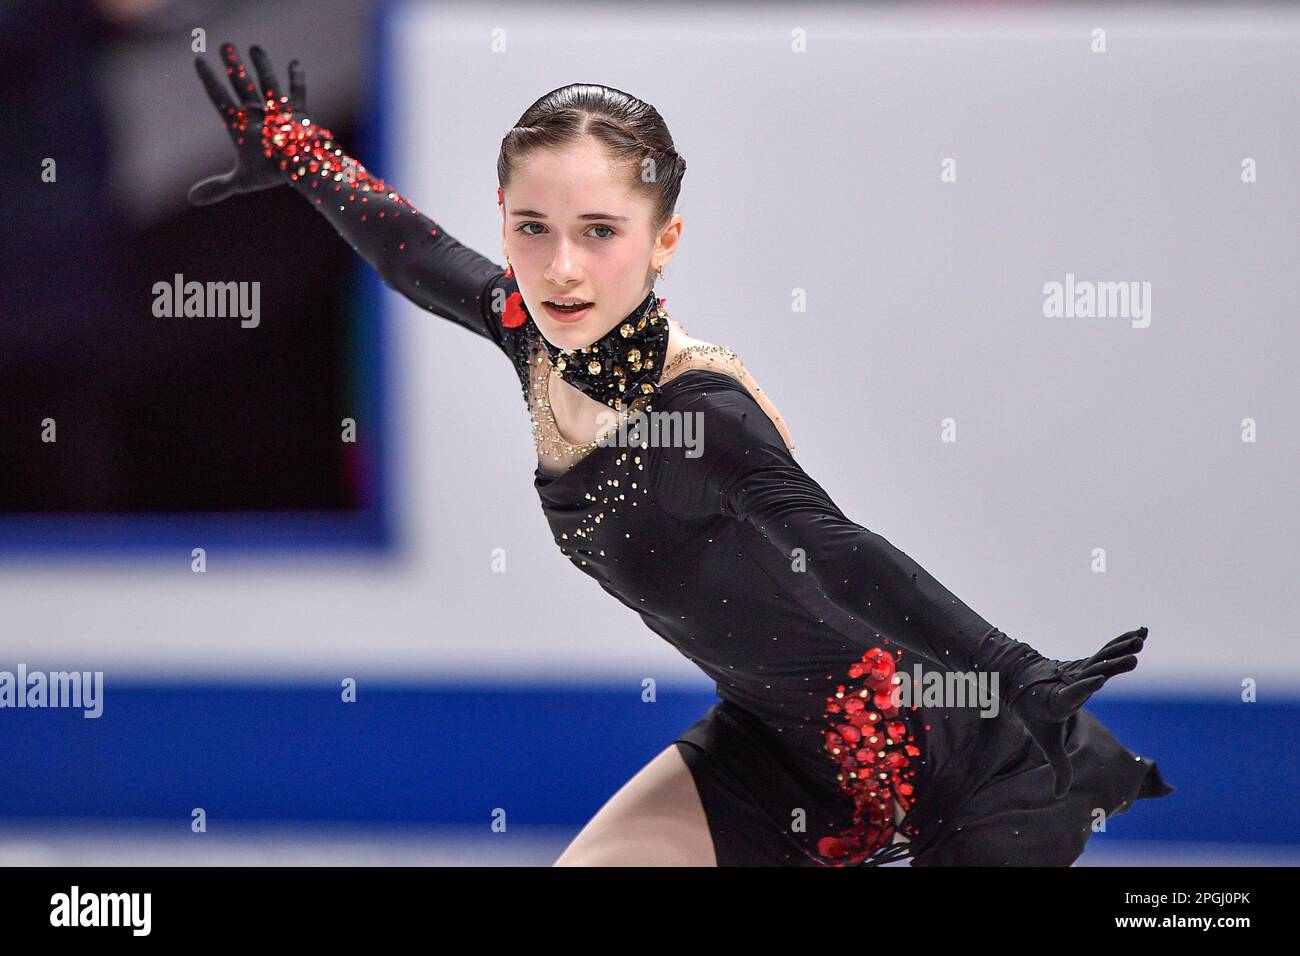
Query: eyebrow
pixel 534 214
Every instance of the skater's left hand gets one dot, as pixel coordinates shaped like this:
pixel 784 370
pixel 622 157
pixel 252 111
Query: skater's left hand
pixel 1054 690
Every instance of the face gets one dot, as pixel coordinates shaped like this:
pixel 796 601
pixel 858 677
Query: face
pixel 574 229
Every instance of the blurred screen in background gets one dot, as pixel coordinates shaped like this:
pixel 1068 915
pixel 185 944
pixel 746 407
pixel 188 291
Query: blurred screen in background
pixel 108 407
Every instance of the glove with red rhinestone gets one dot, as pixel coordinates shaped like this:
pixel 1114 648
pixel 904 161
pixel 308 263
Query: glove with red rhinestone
pixel 277 142
pixel 245 115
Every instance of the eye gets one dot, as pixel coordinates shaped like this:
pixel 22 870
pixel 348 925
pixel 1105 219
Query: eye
pixel 523 228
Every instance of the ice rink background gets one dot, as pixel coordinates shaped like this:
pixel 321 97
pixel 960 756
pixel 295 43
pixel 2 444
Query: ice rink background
pixel 817 171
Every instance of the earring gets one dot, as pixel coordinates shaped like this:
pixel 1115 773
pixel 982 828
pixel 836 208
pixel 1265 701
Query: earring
pixel 660 270
pixel 510 270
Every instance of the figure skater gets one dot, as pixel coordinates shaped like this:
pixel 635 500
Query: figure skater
pixel 716 537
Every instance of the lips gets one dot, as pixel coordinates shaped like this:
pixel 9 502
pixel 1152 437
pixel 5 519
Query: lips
pixel 566 313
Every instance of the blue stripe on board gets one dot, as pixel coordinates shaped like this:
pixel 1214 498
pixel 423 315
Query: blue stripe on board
pixel 548 755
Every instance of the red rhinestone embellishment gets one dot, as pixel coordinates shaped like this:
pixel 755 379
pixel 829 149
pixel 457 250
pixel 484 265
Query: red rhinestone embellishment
pixel 870 744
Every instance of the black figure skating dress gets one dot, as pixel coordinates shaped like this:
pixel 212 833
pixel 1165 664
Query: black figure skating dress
pixel 794 766
pixel 729 551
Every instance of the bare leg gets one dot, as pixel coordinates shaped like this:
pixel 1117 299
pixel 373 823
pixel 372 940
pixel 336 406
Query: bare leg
pixel 655 819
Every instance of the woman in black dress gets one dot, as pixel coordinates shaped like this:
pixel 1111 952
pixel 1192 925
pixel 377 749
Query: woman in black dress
pixel 686 504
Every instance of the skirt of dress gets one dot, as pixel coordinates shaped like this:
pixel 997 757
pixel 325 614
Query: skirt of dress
pixel 984 800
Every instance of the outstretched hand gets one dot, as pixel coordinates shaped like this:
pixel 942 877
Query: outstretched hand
pixel 1048 701
pixel 244 117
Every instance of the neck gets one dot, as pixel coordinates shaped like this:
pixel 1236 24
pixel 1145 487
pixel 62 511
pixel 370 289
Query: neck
pixel 622 364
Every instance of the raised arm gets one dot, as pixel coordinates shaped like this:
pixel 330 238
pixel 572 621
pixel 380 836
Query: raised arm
pixel 277 142
pixel 745 471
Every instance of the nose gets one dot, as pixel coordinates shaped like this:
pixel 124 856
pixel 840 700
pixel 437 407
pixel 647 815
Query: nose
pixel 563 268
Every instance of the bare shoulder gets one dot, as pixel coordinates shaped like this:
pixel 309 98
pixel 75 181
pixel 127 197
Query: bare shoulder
pixel 686 352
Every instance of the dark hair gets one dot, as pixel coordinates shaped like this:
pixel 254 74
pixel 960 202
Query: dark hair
pixel 631 130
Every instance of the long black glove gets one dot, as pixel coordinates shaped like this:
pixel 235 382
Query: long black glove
pixel 746 472
pixel 1045 692
pixel 256 167
pixel 276 142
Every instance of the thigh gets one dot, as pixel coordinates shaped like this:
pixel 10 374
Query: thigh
pixel 655 819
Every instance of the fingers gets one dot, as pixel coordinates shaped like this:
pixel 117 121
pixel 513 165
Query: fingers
pixel 244 86
pixel 1111 651
pixel 216 92
pixel 297 88
pixel 265 73
pixel 213 189
pixel 1062 770
pixel 1064 779
pixel 1129 638
pixel 1107 669
pixel 1051 741
pixel 1071 697
pixel 1129 643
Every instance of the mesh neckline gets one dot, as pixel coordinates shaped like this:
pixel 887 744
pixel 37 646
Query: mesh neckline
pixel 551 443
